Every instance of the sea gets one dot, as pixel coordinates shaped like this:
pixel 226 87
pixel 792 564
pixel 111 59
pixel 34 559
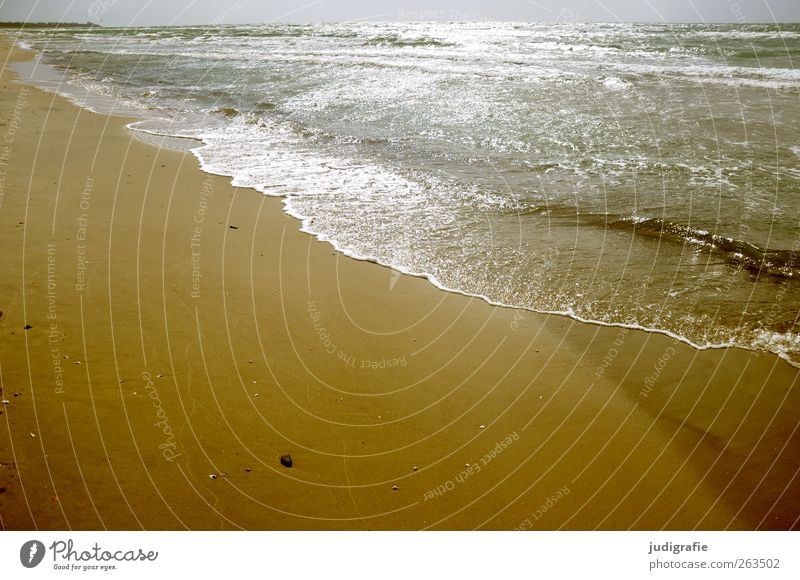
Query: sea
pixel 637 175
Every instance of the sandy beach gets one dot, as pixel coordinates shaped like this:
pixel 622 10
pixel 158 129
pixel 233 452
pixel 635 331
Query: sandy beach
pixel 166 338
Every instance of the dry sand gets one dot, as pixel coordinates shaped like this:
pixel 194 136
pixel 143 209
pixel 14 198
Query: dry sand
pixel 138 380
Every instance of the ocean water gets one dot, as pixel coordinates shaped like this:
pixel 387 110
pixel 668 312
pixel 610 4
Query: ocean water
pixel 629 174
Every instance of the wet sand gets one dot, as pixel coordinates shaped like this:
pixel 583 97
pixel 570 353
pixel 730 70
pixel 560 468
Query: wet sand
pixel 184 335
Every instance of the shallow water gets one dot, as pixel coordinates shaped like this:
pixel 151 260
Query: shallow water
pixel 622 173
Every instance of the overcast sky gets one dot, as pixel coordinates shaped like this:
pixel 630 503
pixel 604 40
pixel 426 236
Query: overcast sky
pixel 160 12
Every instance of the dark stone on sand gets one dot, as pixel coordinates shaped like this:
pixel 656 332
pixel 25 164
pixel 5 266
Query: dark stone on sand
pixel 234 227
pixel 28 327
pixel 286 460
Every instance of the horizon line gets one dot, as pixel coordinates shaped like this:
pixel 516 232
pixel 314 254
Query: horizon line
pixel 396 21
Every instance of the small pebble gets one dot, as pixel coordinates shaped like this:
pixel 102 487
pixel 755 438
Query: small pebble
pixel 212 476
pixel 32 435
pixel 28 327
pixel 415 468
pixel 483 426
pixel 247 469
pixel 286 460
pixel 395 488
pixel 77 362
pixel 5 402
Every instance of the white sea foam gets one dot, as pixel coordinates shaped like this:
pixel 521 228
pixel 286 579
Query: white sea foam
pixel 427 158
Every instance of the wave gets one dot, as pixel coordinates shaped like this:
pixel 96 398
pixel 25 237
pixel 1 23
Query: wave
pixel 310 173
pixel 396 40
pixel 758 54
pixel 228 112
pixel 752 257
pixel 738 253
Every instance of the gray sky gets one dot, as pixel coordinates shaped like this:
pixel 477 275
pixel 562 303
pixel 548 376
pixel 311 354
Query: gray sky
pixel 160 12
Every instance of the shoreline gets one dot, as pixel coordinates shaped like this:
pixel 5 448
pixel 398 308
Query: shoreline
pixel 182 143
pixel 242 375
